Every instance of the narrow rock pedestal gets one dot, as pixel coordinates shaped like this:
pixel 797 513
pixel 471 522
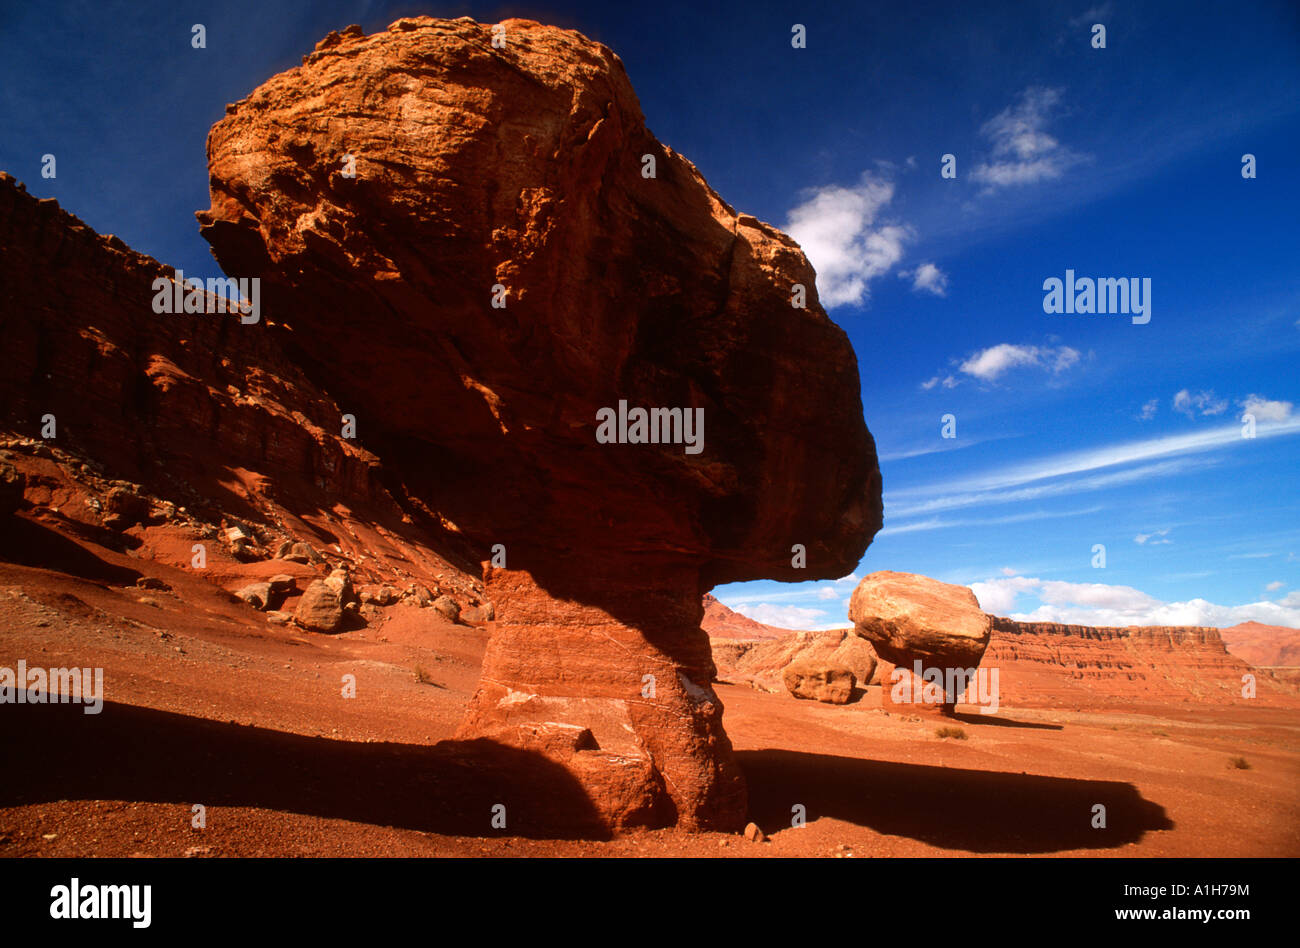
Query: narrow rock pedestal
pixel 612 681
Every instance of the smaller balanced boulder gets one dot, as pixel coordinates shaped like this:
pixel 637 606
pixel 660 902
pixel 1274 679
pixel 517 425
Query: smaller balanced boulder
pixel 831 684
pixel 910 619
pixel 907 617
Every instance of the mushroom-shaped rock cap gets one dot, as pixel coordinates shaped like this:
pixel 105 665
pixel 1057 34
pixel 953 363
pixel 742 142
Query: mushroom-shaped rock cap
pixel 480 248
pixel 907 617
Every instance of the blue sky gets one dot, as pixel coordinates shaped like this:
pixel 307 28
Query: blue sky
pixel 1072 430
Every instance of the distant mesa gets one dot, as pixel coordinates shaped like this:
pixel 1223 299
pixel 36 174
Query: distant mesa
pixel 724 623
pixel 1266 646
pixel 1052 663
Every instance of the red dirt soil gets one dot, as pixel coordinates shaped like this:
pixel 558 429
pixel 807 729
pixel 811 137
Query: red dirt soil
pixel 208 703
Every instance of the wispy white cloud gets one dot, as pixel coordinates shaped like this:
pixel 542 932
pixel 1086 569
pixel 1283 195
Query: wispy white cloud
pixel 927 278
pixel 936 523
pixel 1113 455
pixel 1275 586
pixel 1077 485
pixel 1096 14
pixel 841 231
pixel 1203 403
pixel 1149 409
pixel 937 446
pixel 1155 537
pixel 946 381
pixel 1022 150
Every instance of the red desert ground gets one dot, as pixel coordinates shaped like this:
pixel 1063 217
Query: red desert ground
pixel 358 578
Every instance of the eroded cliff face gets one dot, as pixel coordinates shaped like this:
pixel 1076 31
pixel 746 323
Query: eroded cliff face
pixel 1041 661
pixel 474 259
pixel 191 420
pixel 172 400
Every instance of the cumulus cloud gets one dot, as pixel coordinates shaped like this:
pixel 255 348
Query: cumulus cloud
pixel 841 231
pixel 1275 586
pixel 1149 410
pixel 1155 537
pixel 989 364
pixel 1265 410
pixel 1203 403
pixel 1099 604
pixel 999 596
pixel 928 278
pixel 783 617
pixel 1023 151
pixel 797 605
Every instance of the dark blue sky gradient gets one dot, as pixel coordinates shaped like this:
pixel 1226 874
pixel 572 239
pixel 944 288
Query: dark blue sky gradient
pixel 1157 123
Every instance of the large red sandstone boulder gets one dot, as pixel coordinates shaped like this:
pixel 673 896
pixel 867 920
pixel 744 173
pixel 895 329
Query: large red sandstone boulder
pixel 909 618
pixel 395 187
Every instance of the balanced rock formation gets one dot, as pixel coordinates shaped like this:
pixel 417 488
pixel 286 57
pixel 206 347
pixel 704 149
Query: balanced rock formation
pixel 910 618
pixel 552 329
pixel 831 684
